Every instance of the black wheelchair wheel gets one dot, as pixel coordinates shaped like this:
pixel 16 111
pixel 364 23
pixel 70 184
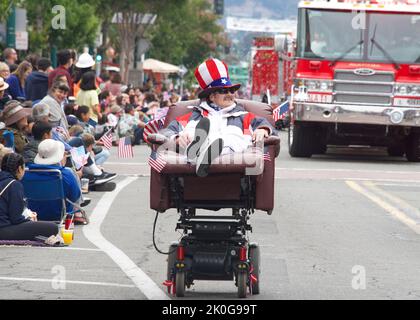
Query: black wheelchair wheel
pixel 242 280
pixel 255 258
pixel 180 284
pixel 171 262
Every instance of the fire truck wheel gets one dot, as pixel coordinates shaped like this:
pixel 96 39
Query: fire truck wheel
pixel 300 141
pixel 413 148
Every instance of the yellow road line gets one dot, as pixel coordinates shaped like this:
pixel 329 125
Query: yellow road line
pixel 395 212
pixel 398 201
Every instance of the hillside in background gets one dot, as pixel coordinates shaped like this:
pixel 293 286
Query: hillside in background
pixel 270 9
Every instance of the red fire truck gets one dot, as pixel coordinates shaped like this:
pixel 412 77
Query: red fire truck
pixel 271 69
pixel 356 77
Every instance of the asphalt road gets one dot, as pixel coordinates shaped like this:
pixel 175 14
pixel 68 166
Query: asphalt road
pixel 345 226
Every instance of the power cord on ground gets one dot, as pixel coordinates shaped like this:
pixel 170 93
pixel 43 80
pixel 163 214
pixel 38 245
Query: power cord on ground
pixel 154 242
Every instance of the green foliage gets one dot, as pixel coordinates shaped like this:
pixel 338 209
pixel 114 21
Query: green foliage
pixel 81 24
pixel 186 33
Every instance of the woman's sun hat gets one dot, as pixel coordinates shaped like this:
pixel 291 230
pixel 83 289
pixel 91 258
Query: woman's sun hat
pixel 50 152
pixel 85 61
pixel 3 84
pixel 212 75
pixel 14 112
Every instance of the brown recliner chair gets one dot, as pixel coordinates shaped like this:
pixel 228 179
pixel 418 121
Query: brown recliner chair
pixel 227 185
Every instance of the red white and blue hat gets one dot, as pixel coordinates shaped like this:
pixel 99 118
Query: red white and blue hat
pixel 211 75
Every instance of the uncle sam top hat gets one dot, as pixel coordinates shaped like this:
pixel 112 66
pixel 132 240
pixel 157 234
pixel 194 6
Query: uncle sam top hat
pixel 212 75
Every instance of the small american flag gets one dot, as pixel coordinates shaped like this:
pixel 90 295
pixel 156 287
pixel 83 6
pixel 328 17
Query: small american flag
pixel 156 161
pixel 153 126
pixel 281 111
pixel 106 139
pixel 267 157
pixel 125 149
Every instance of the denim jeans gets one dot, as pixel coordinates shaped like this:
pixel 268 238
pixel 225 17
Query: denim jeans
pixel 102 157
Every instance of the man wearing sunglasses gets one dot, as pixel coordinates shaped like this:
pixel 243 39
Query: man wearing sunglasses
pixel 218 125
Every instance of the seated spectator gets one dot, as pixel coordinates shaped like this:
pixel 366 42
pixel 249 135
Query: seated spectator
pixel 17 80
pixel 91 170
pixel 88 96
pixel 4 70
pixel 69 110
pixel 41 112
pixel 51 156
pixel 83 117
pixel 114 115
pixel 4 98
pixel 130 126
pixel 40 131
pixel 15 118
pixel 36 87
pixel 54 100
pixel 14 225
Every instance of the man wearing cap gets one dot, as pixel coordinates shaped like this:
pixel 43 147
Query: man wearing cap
pixel 225 126
pixel 15 117
pixel 4 98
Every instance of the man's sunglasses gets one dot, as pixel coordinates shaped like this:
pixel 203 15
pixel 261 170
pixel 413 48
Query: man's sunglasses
pixel 226 90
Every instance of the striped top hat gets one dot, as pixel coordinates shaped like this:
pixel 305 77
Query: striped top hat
pixel 212 75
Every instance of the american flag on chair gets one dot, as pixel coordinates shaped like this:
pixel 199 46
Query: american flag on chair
pixel 156 161
pixel 281 111
pixel 125 149
pixel 153 126
pixel 106 139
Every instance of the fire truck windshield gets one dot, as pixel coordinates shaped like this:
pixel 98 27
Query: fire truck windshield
pixel 344 35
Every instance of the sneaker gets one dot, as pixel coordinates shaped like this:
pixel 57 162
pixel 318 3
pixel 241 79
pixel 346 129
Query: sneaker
pixel 207 155
pixel 86 202
pixel 104 178
pixel 200 136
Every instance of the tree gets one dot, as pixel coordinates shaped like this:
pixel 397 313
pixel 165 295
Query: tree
pixel 186 33
pixel 81 24
pixel 133 19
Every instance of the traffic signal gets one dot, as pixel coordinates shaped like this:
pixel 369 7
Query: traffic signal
pixel 219 6
pixel 98 58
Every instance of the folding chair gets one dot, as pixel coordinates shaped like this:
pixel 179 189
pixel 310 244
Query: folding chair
pixel 44 192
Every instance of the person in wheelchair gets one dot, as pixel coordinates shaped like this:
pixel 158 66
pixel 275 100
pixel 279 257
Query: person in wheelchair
pixel 218 125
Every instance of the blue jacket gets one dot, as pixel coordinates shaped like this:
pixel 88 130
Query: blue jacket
pixel 11 201
pixel 51 210
pixel 15 90
pixel 36 86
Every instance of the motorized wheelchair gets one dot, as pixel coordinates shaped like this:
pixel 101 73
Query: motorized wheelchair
pixel 215 246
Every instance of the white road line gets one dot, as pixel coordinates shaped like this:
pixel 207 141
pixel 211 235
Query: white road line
pixel 396 213
pixel 104 284
pixel 345 170
pixel 353 179
pixel 128 163
pixel 54 248
pixel 93 233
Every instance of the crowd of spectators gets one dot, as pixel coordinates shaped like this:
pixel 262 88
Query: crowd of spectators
pixel 46 113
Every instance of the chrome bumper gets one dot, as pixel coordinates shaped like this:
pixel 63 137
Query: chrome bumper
pixel 338 113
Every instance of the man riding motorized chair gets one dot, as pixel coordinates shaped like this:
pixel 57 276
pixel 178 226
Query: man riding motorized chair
pixel 214 153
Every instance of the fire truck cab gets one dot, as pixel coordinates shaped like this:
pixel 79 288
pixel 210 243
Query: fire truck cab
pixel 356 77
